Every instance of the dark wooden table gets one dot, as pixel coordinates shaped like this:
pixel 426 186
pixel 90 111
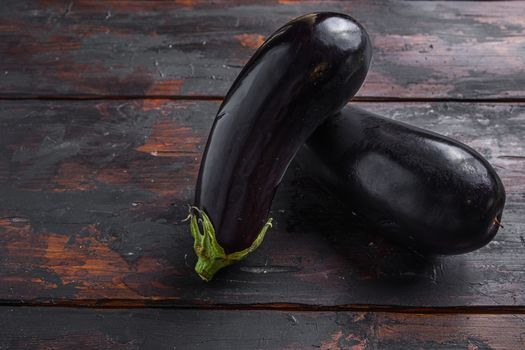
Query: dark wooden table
pixel 104 111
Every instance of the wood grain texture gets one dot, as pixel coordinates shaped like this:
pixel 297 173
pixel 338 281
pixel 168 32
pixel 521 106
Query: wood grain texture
pixel 23 328
pixel 422 49
pixel 92 195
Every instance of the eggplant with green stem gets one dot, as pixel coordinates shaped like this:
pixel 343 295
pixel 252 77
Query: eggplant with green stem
pixel 303 73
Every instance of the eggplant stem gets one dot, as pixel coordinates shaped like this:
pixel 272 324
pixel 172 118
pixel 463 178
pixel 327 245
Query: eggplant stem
pixel 497 222
pixel 189 215
pixel 211 256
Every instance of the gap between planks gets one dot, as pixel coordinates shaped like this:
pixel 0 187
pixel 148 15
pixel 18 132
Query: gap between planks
pixel 159 304
pixel 381 99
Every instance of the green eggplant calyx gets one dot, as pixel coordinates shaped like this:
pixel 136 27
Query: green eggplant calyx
pixel 211 256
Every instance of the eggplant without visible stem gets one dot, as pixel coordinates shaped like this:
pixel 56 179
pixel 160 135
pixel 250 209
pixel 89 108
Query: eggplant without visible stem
pixel 424 190
pixel 303 73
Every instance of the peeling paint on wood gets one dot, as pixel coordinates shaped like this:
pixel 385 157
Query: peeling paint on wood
pixel 23 328
pixel 438 49
pixel 250 40
pixel 93 195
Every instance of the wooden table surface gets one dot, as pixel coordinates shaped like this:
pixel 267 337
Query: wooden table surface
pixel 104 111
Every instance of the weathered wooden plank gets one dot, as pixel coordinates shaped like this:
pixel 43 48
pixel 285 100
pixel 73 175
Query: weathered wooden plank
pixel 107 48
pixel 28 328
pixel 92 194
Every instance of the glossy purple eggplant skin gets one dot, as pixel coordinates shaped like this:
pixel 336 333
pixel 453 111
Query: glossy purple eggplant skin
pixel 421 189
pixel 305 72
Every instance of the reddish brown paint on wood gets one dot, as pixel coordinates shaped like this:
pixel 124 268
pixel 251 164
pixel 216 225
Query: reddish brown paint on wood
pixel 23 328
pixel 92 195
pixel 151 48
